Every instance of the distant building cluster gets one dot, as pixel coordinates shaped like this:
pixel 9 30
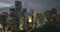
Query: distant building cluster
pixel 19 19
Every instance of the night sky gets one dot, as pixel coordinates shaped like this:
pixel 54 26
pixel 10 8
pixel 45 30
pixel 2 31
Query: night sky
pixel 38 5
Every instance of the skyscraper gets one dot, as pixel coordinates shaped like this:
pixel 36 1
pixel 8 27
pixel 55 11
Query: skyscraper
pixel 4 19
pixel 18 6
pixel 12 12
pixel 11 19
pixel 18 13
pixel 24 10
pixel 24 13
pixel 0 19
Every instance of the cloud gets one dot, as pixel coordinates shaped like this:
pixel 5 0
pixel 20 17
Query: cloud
pixel 7 1
pixel 2 5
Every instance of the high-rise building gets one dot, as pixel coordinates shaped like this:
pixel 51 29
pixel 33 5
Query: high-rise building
pixel 4 19
pixel 1 27
pixel 11 19
pixel 31 12
pixel 12 12
pixel 18 9
pixel 30 19
pixel 25 16
pixel 0 19
pixel 54 11
pixel 24 10
pixel 18 6
pixel 18 13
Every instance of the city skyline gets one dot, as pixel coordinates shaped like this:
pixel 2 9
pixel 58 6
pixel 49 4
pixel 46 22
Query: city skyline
pixel 39 5
pixel 29 16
